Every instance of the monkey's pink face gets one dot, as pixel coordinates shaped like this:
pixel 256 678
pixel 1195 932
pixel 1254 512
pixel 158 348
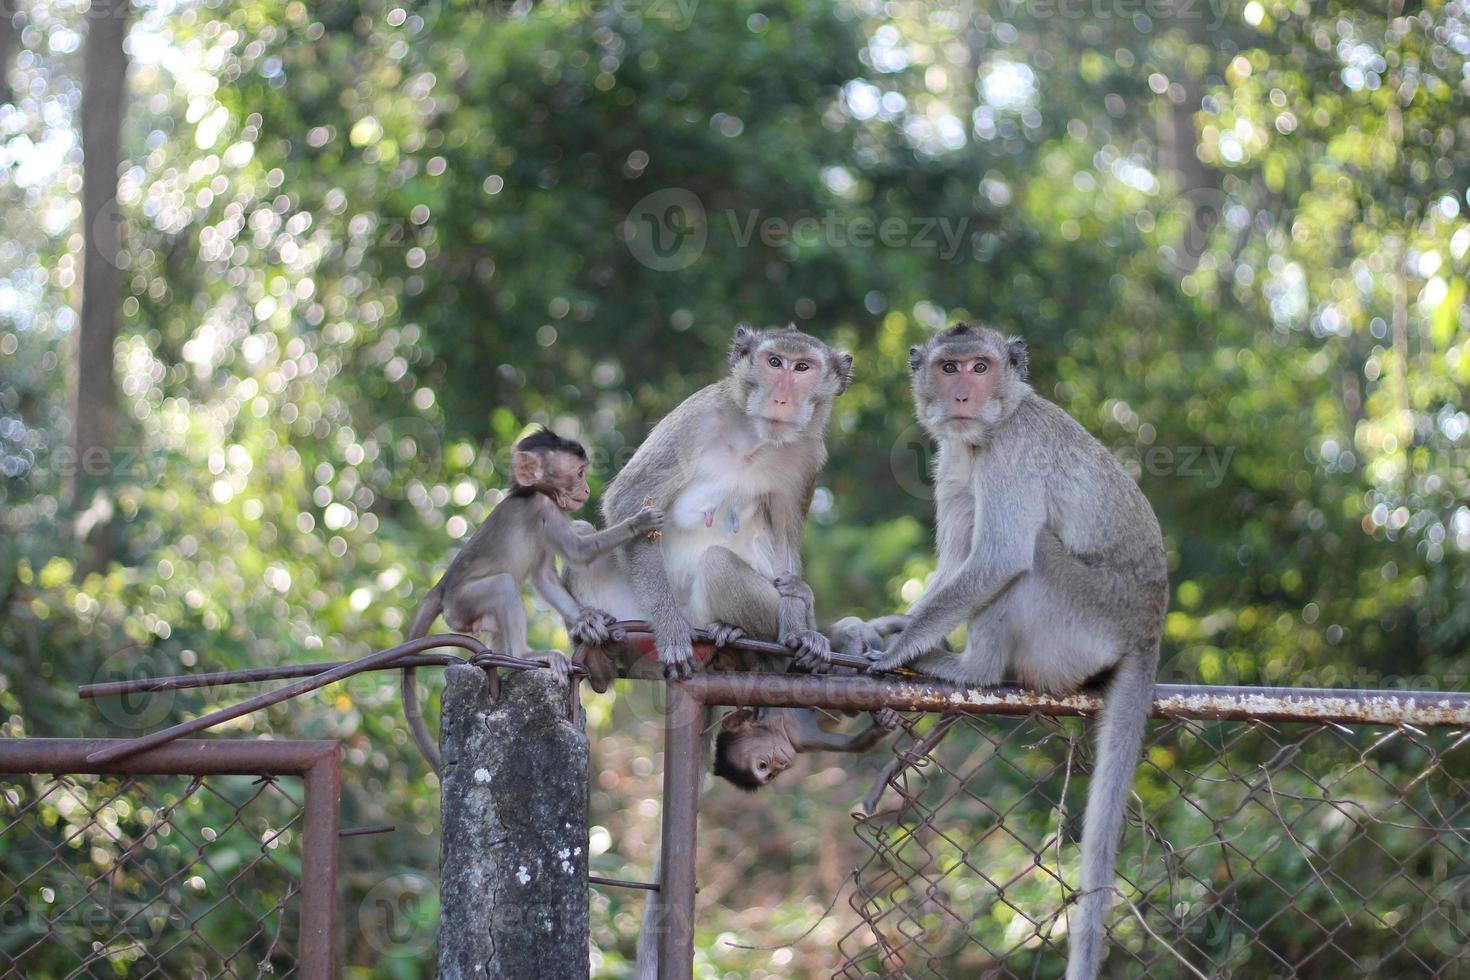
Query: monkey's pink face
pixel 566 481
pixel 963 385
pixel 763 754
pixel 789 384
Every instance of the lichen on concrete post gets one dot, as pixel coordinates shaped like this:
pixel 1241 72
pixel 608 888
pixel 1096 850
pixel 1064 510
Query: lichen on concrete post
pixel 513 861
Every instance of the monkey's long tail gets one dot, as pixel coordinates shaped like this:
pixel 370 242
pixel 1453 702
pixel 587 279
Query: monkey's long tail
pixel 1121 723
pixel 428 611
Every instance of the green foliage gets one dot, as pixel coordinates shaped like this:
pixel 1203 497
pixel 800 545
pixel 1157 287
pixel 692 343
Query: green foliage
pixel 365 245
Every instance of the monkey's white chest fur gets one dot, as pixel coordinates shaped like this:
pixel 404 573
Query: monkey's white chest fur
pixel 720 506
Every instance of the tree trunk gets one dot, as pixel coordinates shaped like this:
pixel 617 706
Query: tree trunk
pixel 7 47
pixel 1196 184
pixel 95 434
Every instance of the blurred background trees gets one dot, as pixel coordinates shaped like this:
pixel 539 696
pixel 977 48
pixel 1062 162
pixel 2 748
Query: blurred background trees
pixel 360 245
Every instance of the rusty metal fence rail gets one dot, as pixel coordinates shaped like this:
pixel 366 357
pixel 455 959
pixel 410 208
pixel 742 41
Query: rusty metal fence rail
pixel 195 859
pixel 1273 832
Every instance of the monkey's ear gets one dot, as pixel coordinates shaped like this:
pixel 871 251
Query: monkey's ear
pixel 739 719
pixel 916 357
pixel 742 345
pixel 526 469
pixel 842 364
pixel 1020 357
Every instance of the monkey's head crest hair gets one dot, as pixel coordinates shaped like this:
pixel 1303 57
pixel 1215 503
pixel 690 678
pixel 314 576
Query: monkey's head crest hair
pixel 1015 348
pixel 544 439
pixel 725 766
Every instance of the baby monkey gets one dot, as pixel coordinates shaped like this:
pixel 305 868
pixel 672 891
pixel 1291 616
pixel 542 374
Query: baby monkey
pixel 755 745
pixel 481 590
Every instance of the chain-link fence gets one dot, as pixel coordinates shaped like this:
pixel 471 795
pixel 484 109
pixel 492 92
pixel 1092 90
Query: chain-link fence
pixel 1273 832
pixel 1253 849
pixel 201 859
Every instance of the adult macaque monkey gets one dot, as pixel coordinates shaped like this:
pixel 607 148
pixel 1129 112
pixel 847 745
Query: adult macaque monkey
pixel 1054 558
pixel 734 466
pixel 481 590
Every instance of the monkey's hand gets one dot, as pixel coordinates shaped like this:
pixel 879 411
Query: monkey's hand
pixel 560 667
pixel 724 634
pixel 791 586
pixel 593 628
pixel 813 651
pixel 646 520
pixel 854 636
pixel 886 661
pixel 886 719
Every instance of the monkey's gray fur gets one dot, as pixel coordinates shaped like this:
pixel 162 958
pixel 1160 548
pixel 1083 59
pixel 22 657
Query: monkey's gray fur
pixel 1054 558
pixel 734 466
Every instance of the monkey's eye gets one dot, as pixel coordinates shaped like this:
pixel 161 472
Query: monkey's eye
pixel 761 768
pixel 773 361
pixel 802 366
pixel 949 367
pixel 981 367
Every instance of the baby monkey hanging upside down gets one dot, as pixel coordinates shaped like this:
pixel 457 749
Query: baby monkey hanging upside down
pixel 755 745
pixel 481 590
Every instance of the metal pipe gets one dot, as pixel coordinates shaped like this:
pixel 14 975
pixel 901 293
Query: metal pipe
pixel 373 660
pixel 621 883
pixel 383 828
pixel 182 682
pixel 319 865
pixel 196 757
pixel 683 740
pixel 1182 701
pixel 638 635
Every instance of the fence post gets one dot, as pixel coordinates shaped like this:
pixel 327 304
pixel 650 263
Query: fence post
pixel 682 754
pixel 513 860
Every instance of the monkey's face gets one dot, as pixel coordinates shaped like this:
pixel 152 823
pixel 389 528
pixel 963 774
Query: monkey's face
pixel 762 753
pixel 957 377
pixel 566 481
pixel 749 752
pixel 789 380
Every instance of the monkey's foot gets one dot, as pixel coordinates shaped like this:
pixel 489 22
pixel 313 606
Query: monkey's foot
pixel 724 634
pixel 560 667
pixel 886 719
pixel 813 650
pixel 592 628
pixel 677 658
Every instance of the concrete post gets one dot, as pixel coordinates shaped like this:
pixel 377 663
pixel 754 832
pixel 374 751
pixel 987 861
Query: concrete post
pixel 513 862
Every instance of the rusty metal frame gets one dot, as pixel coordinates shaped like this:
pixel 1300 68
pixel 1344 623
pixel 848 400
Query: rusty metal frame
pixel 317 763
pixel 687 700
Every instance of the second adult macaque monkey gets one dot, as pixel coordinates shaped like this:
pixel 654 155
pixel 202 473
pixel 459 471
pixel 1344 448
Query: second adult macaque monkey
pixel 734 466
pixel 1052 556
pixel 755 745
pixel 480 592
